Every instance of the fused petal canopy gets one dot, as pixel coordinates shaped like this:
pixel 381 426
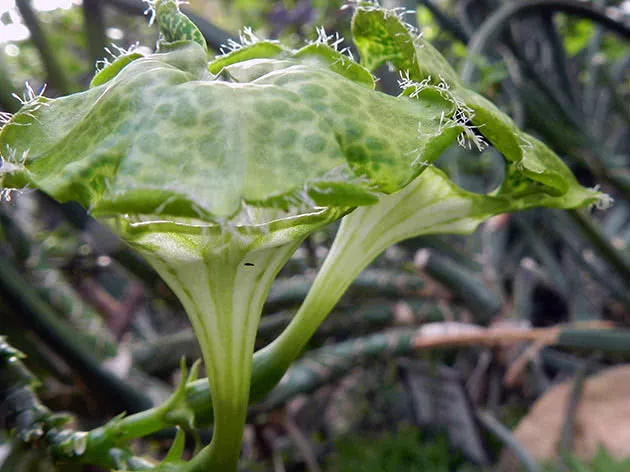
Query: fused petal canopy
pixel 165 136
pixel 170 135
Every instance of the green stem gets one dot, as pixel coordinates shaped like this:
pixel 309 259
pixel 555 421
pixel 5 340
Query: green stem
pixel 348 256
pixel 221 276
pixel 222 280
pixel 425 206
pixel 36 425
pixel 336 360
pixel 291 292
pixel 373 313
pixel 329 286
pixel 228 364
pixel 120 431
pixel 224 451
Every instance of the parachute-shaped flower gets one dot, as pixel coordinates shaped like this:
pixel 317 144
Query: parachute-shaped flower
pixel 217 172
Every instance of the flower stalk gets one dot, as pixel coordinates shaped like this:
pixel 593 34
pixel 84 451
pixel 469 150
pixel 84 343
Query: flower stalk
pixel 222 275
pixel 431 204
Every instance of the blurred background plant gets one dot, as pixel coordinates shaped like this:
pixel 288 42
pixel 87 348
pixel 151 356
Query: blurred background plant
pixel 532 303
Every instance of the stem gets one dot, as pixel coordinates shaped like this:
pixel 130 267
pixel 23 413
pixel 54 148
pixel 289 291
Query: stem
pixel 36 425
pixel 351 251
pixel 425 206
pixel 348 256
pixel 222 281
pixel 228 365
pixel 224 451
pixel 160 354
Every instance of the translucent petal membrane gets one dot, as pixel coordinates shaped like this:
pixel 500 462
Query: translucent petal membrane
pixel 161 135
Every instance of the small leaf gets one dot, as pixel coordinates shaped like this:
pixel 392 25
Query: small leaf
pixel 177 448
pixel 258 50
pixel 111 70
pixel 320 55
pixel 174 25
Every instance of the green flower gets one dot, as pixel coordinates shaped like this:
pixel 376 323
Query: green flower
pixel 216 172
